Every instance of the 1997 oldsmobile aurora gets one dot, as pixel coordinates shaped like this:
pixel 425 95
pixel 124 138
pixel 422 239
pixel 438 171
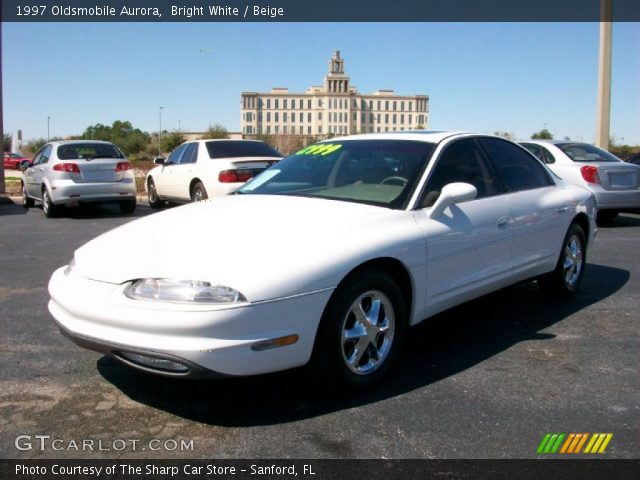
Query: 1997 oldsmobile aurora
pixel 326 257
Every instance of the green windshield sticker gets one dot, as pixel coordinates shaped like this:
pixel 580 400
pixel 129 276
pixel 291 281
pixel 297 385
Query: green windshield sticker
pixel 320 149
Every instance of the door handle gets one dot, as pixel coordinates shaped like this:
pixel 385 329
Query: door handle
pixel 503 222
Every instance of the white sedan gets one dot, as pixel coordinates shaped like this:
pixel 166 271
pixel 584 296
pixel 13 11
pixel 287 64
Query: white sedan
pixel 204 169
pixel 615 183
pixel 327 257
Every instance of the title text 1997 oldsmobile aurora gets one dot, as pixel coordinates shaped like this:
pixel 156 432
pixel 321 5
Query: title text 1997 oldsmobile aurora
pixel 326 257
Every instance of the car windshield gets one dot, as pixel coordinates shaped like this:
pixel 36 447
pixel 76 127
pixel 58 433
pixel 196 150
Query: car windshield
pixel 375 172
pixel 240 148
pixel 583 152
pixel 88 151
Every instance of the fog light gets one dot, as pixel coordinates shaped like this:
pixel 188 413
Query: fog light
pixel 274 343
pixel 155 363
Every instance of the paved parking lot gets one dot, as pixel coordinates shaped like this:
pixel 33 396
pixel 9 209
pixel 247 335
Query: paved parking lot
pixel 485 380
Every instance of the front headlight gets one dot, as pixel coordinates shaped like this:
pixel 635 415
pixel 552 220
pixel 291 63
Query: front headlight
pixel 182 291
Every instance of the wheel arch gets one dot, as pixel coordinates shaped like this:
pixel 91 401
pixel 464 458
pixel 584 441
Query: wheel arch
pixel 393 267
pixel 582 220
pixel 193 182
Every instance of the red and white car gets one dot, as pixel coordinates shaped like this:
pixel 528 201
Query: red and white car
pixel 203 169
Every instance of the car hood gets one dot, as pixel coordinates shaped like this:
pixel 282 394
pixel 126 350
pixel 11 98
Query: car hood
pixel 265 246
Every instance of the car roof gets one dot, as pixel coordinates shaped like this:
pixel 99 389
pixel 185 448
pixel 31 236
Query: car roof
pixel 431 136
pixel 74 142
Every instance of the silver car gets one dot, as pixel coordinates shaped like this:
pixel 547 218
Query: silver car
pixel 78 171
pixel 615 184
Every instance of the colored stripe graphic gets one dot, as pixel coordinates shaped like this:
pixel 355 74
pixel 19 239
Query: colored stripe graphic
pixel 572 443
pixel 550 443
pixel 598 443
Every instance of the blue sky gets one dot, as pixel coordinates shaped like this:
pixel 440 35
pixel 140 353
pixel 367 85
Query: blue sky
pixel 515 77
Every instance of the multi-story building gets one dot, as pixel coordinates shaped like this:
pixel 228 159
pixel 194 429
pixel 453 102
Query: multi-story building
pixel 335 108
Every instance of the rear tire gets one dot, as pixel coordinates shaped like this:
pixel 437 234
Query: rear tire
pixel 565 280
pixel 27 202
pixel 606 216
pixel 50 209
pixel 361 331
pixel 152 195
pixel 198 192
pixel 127 206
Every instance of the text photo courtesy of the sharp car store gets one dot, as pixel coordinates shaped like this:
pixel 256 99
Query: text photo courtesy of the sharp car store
pixel 165 452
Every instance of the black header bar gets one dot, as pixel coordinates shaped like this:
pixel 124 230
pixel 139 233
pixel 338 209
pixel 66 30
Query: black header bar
pixel 318 11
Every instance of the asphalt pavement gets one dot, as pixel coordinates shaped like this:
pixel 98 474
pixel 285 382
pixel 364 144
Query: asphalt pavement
pixel 487 379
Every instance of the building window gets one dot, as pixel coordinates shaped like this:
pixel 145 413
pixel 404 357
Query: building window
pixel 402 106
pixel 260 116
pixel 402 118
pixel 386 105
pixel 284 117
pixel 309 130
pixel 409 120
pixel 284 129
pixel 268 103
pixel 410 106
pixel 319 115
pixel 309 117
pixel 277 103
pixel 378 104
pixel 268 116
pixel 386 118
pixel 277 128
pixel 394 118
pixel 268 128
pixel 275 117
pixel 309 105
pixel 395 106
pixel 355 116
pixel 371 118
pixel 300 129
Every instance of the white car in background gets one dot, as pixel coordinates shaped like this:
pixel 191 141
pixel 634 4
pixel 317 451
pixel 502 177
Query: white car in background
pixel 203 169
pixel 615 183
pixel 78 171
pixel 327 257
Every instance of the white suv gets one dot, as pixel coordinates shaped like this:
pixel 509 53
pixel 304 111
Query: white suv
pixel 207 168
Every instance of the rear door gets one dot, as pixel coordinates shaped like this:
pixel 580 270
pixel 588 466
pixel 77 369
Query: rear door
pixel 538 208
pixel 183 172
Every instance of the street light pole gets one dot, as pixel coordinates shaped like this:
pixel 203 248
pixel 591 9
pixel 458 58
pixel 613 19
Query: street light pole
pixel 603 116
pixel 160 129
pixel 48 118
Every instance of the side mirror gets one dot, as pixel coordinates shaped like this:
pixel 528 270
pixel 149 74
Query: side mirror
pixel 159 160
pixel 24 164
pixel 451 194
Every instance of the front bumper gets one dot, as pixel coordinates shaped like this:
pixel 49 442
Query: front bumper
pixel 65 191
pixel 209 341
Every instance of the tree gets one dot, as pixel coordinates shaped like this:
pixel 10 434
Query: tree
pixel 543 134
pixel 171 141
pixel 507 135
pixel 33 145
pixel 217 131
pixel 6 142
pixel 129 139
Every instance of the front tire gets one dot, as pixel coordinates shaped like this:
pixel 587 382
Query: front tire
pixel 361 331
pixel 198 192
pixel 565 280
pixel 50 209
pixel 152 195
pixel 27 202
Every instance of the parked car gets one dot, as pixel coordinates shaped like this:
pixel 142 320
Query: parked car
pixel 204 169
pixel 13 160
pixel 78 171
pixel 326 257
pixel 615 183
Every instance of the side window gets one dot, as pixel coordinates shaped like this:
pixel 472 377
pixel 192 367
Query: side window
pixel 541 153
pixel 517 169
pixel 174 158
pixel 190 154
pixel 462 161
pixel 43 156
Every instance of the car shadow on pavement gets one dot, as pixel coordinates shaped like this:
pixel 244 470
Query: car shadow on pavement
pixel 442 346
pixel 623 220
pixel 7 207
